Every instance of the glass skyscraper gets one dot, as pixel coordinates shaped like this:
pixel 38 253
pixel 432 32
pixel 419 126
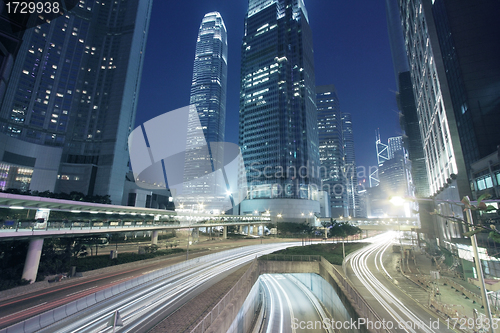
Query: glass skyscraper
pixel 208 110
pixel 278 131
pixel 331 149
pixel 455 73
pixel 350 167
pixel 209 84
pixel 74 86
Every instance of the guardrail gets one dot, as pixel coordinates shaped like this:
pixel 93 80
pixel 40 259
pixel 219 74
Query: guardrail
pixel 287 257
pixel 11 229
pixel 466 292
pixel 70 225
pixel 252 274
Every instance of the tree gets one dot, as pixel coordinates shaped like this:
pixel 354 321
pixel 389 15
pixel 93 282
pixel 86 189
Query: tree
pixel 492 231
pixel 294 228
pixel 343 229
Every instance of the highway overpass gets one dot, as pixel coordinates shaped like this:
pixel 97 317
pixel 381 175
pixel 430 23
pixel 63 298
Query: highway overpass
pixel 116 219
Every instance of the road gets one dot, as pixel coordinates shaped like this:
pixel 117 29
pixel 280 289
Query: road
pixel 15 309
pixel 144 306
pixel 365 268
pixel 290 307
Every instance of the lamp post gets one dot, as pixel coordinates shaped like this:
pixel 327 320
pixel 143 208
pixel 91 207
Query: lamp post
pixel 479 270
pixel 187 251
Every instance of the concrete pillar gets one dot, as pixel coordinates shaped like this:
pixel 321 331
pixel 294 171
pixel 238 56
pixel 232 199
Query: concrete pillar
pixel 224 233
pixel 154 237
pixel 32 259
pixel 196 234
pixel 255 230
pixel 241 229
pixel 326 232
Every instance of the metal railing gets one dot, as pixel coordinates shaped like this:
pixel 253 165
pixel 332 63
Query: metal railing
pixel 12 227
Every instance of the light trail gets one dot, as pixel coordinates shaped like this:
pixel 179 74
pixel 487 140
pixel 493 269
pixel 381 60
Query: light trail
pixel 383 295
pixel 143 306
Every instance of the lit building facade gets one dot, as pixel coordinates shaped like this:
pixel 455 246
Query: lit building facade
pixel 331 149
pixel 209 84
pixel 350 173
pixel 74 86
pixel 208 110
pixel 278 131
pixel 443 155
pixel 395 146
pixel 452 49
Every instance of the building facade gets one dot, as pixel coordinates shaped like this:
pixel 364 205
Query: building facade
pixel 412 139
pixel 278 131
pixel 331 149
pixel 208 110
pixel 350 173
pixel 452 49
pixel 74 85
pixel 395 146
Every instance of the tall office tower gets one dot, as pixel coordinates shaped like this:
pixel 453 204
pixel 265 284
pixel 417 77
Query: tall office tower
pixel 209 84
pixel 350 167
pixel 11 35
pixel 395 146
pixel 208 110
pixel 72 95
pixel 331 149
pixel 452 47
pixel 412 139
pixel 278 118
pixel 456 102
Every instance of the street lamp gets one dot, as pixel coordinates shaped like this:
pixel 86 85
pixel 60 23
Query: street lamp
pixel 479 269
pixel 187 251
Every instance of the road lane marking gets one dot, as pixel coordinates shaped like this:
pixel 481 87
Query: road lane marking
pixel 80 291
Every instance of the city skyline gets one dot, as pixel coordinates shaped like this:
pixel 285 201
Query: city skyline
pixel 354 55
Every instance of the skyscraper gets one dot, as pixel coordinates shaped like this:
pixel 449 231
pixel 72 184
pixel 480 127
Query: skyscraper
pixel 74 89
pixel 208 109
pixel 278 131
pixel 452 48
pixel 395 146
pixel 209 84
pixel 350 167
pixel 331 149
pixel 412 138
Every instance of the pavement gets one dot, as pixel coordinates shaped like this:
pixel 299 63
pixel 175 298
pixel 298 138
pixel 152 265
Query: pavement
pixel 451 297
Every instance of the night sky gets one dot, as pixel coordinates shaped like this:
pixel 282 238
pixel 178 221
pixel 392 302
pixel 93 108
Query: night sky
pixel 351 51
